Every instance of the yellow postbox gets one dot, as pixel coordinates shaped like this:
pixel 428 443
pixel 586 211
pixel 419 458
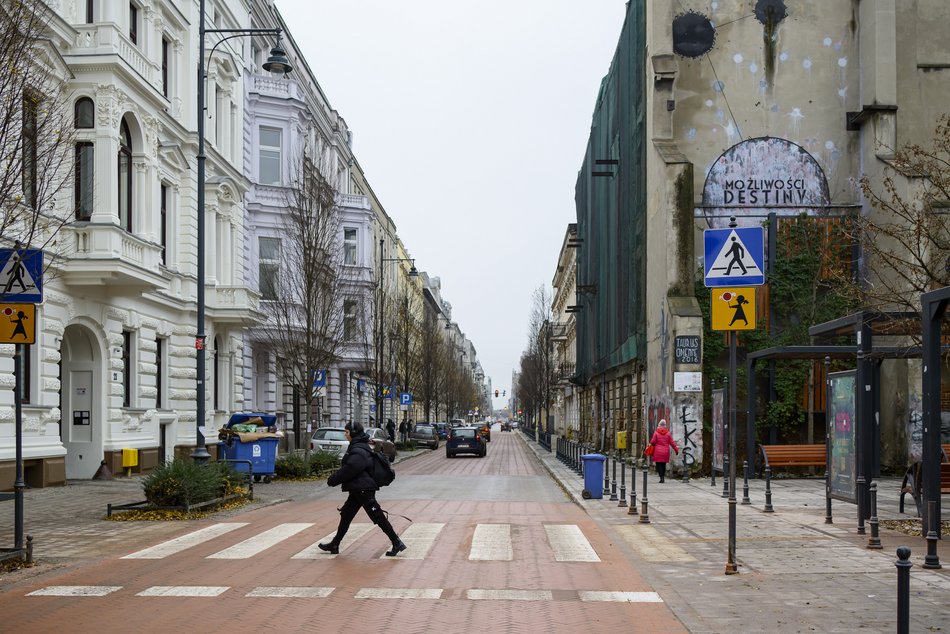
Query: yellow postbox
pixel 621 440
pixel 130 458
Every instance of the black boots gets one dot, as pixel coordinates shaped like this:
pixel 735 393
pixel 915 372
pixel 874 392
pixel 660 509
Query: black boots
pixel 333 548
pixel 397 548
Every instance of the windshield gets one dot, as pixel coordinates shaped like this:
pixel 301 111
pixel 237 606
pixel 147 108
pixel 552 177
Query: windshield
pixel 329 434
pixel 424 431
pixel 463 433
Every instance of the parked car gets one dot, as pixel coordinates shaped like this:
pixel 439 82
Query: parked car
pixel 329 439
pixel 379 441
pixel 442 429
pixel 425 435
pixel 465 440
pixel 506 426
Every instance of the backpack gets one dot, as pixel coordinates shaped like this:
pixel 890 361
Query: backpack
pixel 381 470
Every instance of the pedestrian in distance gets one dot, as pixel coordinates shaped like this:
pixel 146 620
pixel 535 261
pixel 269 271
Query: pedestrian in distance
pixel 355 477
pixel 662 441
pixel 402 430
pixel 391 429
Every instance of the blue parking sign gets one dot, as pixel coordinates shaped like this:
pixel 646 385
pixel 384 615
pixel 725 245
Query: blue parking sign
pixel 405 398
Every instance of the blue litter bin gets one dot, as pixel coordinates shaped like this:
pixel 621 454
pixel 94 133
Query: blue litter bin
pixel 593 476
pixel 262 453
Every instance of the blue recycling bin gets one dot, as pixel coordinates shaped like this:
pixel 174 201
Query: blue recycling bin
pixel 593 476
pixel 262 453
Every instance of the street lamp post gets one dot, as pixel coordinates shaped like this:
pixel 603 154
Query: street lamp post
pixel 381 326
pixel 277 62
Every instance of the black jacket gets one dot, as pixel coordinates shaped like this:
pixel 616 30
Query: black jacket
pixel 353 473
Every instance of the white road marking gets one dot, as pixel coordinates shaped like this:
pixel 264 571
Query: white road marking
pixel 260 542
pixel 183 591
pixel 74 591
pixel 418 539
pixel 398 593
pixel 290 592
pixel 622 597
pixel 355 532
pixel 185 542
pixel 569 544
pixel 491 542
pixel 510 595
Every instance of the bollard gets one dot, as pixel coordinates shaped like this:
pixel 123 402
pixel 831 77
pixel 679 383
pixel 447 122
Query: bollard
pixel 632 509
pixel 861 483
pixel 725 480
pixel 613 485
pixel 644 511
pixel 932 560
pixel 828 519
pixel 874 541
pixel 623 482
pixel 745 482
pixel 903 589
pixel 768 490
pixel 607 474
pixel 712 474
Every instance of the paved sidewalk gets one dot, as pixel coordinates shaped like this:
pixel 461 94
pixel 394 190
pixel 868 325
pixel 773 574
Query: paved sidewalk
pixel 796 573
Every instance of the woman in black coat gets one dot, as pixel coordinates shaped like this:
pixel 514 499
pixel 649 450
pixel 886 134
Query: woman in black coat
pixel 357 480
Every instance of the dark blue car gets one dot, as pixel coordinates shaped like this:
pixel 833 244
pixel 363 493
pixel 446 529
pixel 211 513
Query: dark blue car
pixel 442 429
pixel 465 440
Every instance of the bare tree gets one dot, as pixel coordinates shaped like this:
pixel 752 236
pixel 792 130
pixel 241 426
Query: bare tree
pixel 405 341
pixel 310 315
pixel 906 241
pixel 431 362
pixel 36 126
pixel 539 379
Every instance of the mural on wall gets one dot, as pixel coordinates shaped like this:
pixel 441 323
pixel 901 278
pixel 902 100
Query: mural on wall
pixel 763 175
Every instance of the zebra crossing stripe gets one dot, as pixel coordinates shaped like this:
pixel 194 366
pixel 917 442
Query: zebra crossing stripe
pixel 290 592
pixel 355 532
pixel 185 542
pixel 510 595
pixel 622 597
pixel 418 539
pixel 398 593
pixel 260 542
pixel 491 542
pixel 569 544
pixel 183 591
pixel 74 591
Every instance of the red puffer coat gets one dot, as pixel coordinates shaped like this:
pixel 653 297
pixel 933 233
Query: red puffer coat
pixel 662 441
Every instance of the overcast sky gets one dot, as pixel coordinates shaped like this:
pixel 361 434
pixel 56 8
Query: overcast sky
pixel 470 120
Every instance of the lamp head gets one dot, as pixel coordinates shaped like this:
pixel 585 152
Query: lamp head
pixel 413 272
pixel 277 62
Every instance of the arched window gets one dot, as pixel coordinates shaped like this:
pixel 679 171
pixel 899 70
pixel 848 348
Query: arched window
pixel 125 177
pixel 85 113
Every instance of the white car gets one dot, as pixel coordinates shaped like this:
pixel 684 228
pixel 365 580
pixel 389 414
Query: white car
pixel 329 439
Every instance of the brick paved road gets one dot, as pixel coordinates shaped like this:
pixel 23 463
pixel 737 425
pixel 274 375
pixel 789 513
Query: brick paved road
pixel 494 546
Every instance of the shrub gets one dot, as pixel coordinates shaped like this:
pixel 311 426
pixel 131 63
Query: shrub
pixel 183 482
pixel 321 461
pixel 291 465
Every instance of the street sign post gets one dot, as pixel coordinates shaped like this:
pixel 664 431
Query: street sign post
pixel 405 398
pixel 18 323
pixel 734 257
pixel 733 309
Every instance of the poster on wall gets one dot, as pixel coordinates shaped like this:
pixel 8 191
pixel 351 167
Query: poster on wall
pixel 719 445
pixel 842 464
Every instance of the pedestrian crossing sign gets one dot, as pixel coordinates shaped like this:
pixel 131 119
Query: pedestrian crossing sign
pixel 18 323
pixel 733 308
pixel 21 275
pixel 734 256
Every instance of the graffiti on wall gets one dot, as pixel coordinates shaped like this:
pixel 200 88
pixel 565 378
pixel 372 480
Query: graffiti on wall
pixel 687 429
pixel 915 427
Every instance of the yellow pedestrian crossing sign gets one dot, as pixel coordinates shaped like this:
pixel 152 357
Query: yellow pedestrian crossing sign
pixel 733 308
pixel 18 323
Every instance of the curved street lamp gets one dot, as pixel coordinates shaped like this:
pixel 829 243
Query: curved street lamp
pixel 278 63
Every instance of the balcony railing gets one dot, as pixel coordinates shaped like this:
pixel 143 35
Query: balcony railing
pixel 234 304
pixel 97 254
pixel 565 372
pixel 355 201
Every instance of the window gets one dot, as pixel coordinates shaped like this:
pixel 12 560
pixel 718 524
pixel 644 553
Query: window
pixel 125 177
pixel 133 23
pixel 269 267
pixel 350 323
pixel 126 368
pixel 90 14
pixel 85 160
pixel 349 245
pixel 270 156
pixel 163 219
pixel 30 175
pixel 85 113
pixel 165 47
pixel 159 372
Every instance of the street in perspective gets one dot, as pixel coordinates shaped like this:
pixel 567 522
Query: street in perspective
pixel 425 316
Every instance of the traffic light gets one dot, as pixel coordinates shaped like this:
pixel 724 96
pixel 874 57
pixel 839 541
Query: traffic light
pixel 496 393
pixel 504 392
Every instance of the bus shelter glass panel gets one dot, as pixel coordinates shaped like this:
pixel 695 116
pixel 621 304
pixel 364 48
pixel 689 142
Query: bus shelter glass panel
pixel 842 480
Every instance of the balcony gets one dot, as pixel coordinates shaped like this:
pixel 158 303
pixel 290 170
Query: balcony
pixel 565 372
pixel 236 305
pixel 354 201
pixel 100 254
pixel 103 39
pixel 282 89
pixel 558 332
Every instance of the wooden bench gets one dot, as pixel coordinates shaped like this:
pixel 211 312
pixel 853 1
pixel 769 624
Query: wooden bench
pixel 912 480
pixel 793 455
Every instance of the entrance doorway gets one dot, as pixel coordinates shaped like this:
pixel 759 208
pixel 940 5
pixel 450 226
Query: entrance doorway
pixel 81 402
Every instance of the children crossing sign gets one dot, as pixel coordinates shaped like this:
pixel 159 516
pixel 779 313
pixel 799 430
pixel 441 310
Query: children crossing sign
pixel 18 323
pixel 734 256
pixel 733 309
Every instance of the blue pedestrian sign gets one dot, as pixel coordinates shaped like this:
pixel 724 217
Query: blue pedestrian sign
pixel 405 398
pixel 734 256
pixel 319 378
pixel 21 275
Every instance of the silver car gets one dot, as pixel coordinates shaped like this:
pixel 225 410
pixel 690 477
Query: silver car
pixel 379 441
pixel 330 439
